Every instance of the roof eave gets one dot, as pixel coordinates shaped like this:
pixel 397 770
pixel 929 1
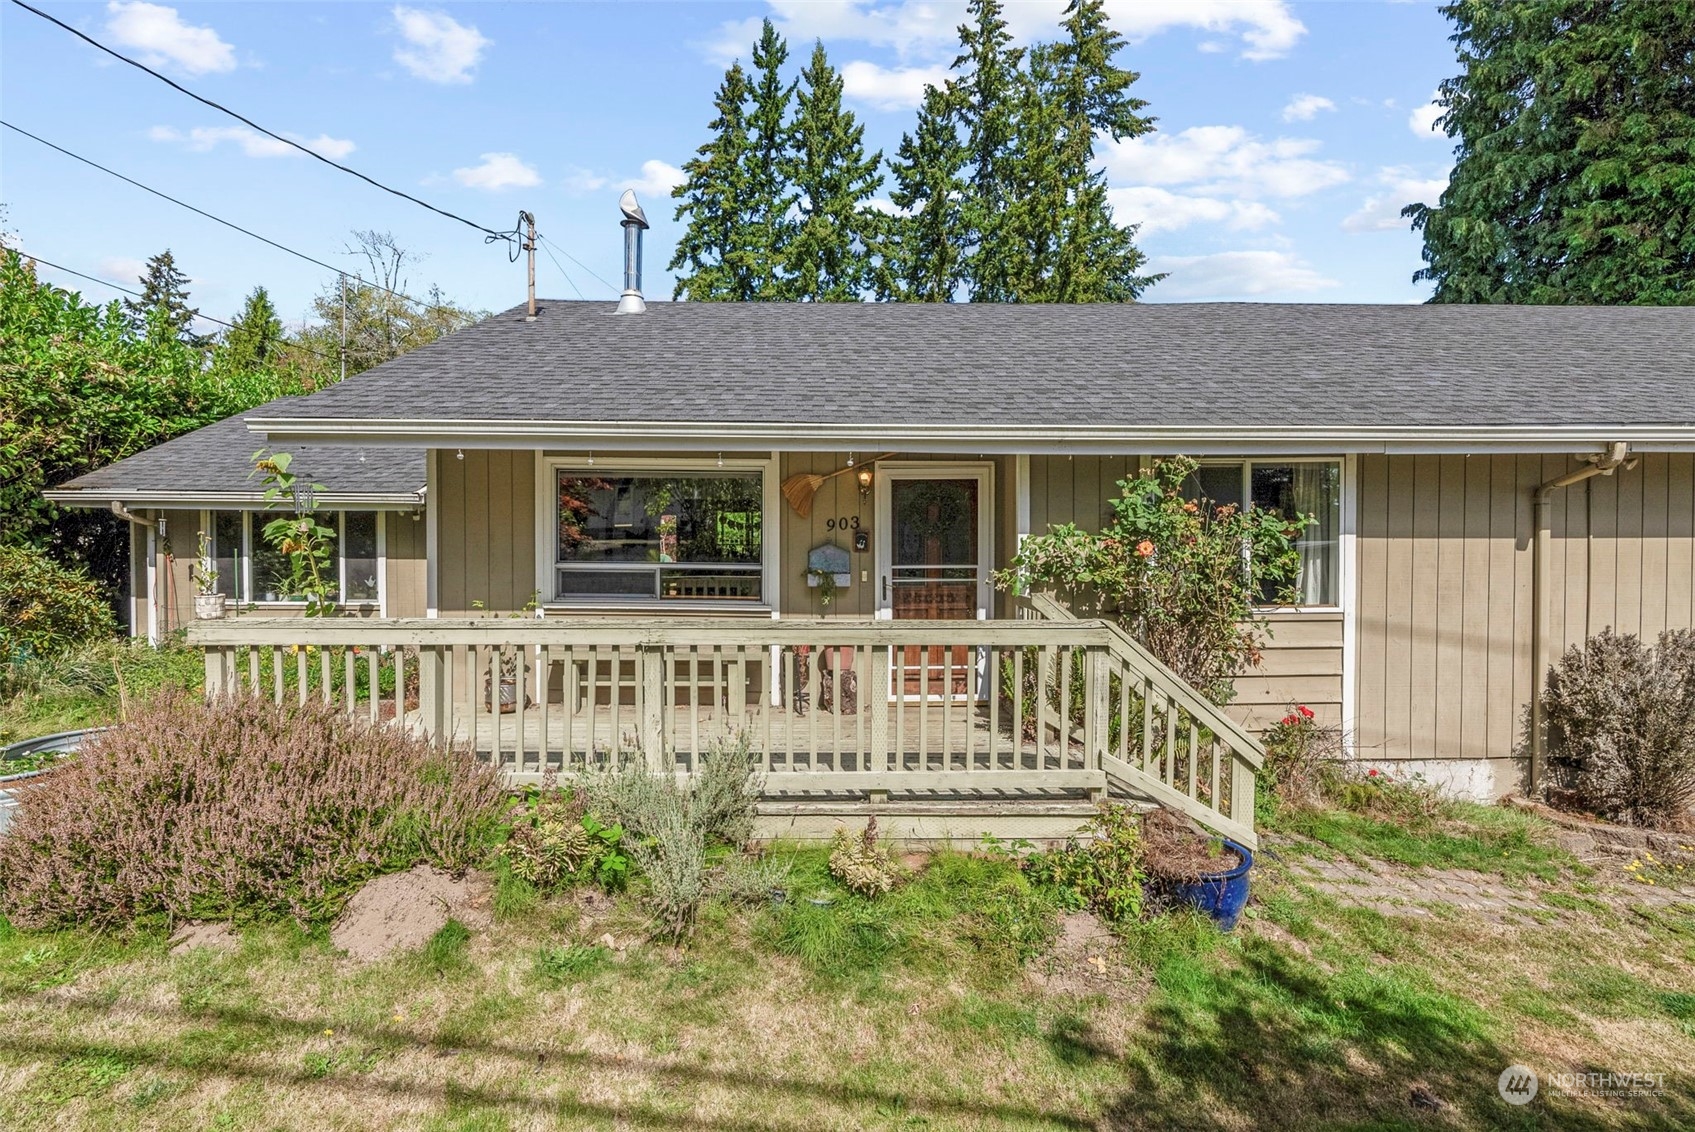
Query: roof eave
pixel 998 438
pixel 228 500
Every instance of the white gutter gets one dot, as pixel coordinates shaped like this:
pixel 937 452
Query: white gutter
pixel 226 500
pixel 1000 437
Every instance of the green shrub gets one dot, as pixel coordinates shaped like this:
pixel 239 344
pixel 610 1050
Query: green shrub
pixel 725 793
pixel 1621 724
pixel 1104 872
pixel 238 809
pixel 554 843
pixel 46 608
pixel 1184 575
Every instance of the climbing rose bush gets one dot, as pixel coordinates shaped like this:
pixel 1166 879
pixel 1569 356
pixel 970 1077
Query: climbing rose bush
pixel 1182 575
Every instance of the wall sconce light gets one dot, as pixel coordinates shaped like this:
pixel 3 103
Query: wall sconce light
pixel 864 476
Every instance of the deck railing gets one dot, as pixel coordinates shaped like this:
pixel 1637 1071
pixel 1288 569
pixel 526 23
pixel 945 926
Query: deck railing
pixel 1043 703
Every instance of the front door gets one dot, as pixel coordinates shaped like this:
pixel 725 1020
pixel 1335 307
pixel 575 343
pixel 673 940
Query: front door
pixel 935 559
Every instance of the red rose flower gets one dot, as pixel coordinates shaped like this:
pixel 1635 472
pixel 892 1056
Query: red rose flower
pixel 1305 710
pixel 1372 773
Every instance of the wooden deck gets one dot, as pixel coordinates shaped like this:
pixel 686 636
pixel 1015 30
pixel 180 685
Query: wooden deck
pixel 951 740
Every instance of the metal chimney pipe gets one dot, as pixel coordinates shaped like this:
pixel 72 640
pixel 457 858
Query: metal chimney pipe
pixel 635 222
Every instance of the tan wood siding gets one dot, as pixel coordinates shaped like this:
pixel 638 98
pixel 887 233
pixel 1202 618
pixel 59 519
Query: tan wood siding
pixel 406 580
pixel 1445 587
pixel 486 530
pixel 1075 489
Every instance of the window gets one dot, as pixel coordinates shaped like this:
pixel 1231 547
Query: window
pixel 658 536
pixel 250 569
pixel 1290 487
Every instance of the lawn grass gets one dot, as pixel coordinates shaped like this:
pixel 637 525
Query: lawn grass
pixel 912 1010
pixel 1462 835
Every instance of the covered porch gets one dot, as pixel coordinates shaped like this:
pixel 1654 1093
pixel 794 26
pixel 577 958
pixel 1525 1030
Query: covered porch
pixel 973 724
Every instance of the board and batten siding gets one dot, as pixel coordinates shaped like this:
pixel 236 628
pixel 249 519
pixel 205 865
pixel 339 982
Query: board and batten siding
pixel 1302 655
pixel 485 530
pixel 1445 601
pixel 406 579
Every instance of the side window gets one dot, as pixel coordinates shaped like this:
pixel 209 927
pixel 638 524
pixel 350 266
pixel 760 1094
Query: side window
pixel 227 531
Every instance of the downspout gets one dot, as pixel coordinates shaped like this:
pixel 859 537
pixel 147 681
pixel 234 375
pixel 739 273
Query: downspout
pixel 148 525
pixel 1617 455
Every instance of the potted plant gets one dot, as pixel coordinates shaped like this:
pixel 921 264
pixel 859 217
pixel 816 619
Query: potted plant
pixel 1188 866
pixel 208 602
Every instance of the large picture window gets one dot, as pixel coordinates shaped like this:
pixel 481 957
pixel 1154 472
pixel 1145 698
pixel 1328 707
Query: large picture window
pixel 1289 487
pixel 252 570
pixel 658 536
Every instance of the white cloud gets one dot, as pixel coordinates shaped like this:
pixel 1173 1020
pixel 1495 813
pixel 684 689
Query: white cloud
pixel 584 181
pixel 890 88
pixel 657 179
pixel 1304 107
pixel 202 139
pixel 927 29
pixel 1158 210
pixel 160 37
pixel 1267 28
pixel 437 48
pixel 497 172
pixel 1223 160
pixel 1235 275
pixel 1422 121
pixel 1381 212
pixel 120 269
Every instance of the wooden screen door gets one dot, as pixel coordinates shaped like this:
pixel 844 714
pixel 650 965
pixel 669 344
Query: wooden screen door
pixel 935 524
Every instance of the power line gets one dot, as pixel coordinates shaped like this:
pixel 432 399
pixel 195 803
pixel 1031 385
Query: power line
pixel 139 295
pixel 574 260
pixel 562 271
pixel 220 220
pixel 268 133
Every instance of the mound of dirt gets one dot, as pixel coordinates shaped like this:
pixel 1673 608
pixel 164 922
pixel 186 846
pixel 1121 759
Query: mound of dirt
pixel 1084 960
pixel 401 911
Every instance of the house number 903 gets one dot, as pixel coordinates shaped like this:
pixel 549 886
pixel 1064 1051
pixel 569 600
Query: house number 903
pixel 844 523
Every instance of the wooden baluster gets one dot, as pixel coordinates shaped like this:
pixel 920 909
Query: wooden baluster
pixel 1169 777
pixel 301 678
pixel 253 670
pixel 1019 708
pixel 1148 725
pixel 994 678
pixel 947 704
pixel 520 694
pixel 349 682
pixel 694 706
pixel 547 658
pixel 324 679
pixel 1194 745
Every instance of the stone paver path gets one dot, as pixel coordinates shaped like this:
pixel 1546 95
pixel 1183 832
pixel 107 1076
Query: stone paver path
pixel 1395 890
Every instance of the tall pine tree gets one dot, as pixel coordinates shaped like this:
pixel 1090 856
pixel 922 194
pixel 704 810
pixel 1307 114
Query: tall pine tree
pixel 736 195
pixel 1575 173
pixel 1066 246
pixel 766 221
pixel 254 336
pixel 987 92
pixel 923 252
pixel 828 255
pixel 163 305
pixel 711 249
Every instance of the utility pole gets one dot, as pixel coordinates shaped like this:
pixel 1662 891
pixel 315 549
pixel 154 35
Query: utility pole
pixel 529 219
pixel 342 280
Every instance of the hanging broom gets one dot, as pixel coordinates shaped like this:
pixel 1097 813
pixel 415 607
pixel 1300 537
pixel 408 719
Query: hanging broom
pixel 800 488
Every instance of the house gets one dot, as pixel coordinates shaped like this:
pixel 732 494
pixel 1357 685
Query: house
pixel 1492 485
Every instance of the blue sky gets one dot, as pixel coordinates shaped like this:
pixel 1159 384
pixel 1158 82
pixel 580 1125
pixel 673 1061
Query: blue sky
pixel 1289 134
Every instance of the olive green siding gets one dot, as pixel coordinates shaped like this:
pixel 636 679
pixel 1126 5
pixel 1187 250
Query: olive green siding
pixel 406 581
pixel 485 530
pixel 1446 595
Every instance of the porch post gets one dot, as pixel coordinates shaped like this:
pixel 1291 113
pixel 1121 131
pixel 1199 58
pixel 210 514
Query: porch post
pixel 650 705
pixel 431 702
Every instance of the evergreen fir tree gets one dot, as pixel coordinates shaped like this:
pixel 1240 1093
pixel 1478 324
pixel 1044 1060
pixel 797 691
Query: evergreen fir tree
pixel 1574 180
pixel 164 290
pixel 1064 244
pixel 766 223
pixel 253 337
pixel 827 257
pixel 987 92
pixel 923 252
pixel 710 248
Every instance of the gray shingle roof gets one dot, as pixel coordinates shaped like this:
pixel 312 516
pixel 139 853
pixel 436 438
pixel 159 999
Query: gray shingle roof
pixel 1192 365
pixel 218 459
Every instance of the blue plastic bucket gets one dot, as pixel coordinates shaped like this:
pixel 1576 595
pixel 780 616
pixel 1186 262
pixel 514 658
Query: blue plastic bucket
pixel 1220 895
